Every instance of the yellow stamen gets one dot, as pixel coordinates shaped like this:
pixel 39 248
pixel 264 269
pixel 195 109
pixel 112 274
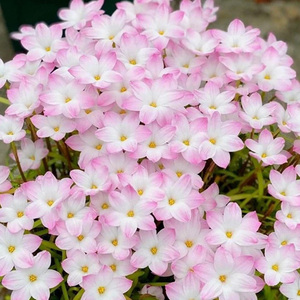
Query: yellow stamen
pixel 32 278
pixel 267 77
pixel 123 89
pixel 152 145
pixel 11 249
pixel 115 242
pixel 50 202
pixel 289 216
pixel 56 128
pixel 10 133
pixel 101 290
pixel 171 201
pixel 153 104
pixel 189 243
pixel 179 174
pixel 212 107
pixel 298 293
pixel 186 66
pixel 85 269
pixel 264 155
pixel 161 166
pixel 153 250
pixel 32 157
pixel 94 187
pixel 130 214
pixel 48 49
pixel 123 138
pixel 80 238
pixel 97 77
pixel 186 142
pixel 113 267
pixel 67 100
pixel 70 215
pixel 275 267
pixel 140 192
pixel 132 62
pixel 120 171
pixel 99 147
pixel 213 141
pixel 111 37
pixel 122 112
pixel 20 214
pixel 229 234
pixel 283 243
pixel 87 111
pixel 105 206
pixel 222 278
pixel 161 32
pixel 283 193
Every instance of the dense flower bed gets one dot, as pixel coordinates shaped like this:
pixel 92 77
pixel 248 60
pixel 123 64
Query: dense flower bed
pixel 153 158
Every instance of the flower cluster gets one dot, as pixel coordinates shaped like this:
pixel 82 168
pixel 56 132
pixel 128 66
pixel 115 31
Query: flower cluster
pixel 132 137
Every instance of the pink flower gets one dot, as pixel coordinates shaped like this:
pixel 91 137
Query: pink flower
pixel 267 149
pixel 11 129
pixel 106 285
pixel 34 281
pixel 291 290
pixel 220 139
pixel 5 185
pixel 155 250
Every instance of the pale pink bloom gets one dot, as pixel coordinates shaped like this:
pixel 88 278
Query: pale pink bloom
pixel 24 30
pixel 156 146
pixel 189 234
pixel 11 129
pixel 291 290
pixel 79 13
pixel 255 113
pixel 146 184
pixel 189 265
pixel 292 95
pixel 62 96
pixel 98 72
pixel 283 236
pixel 31 154
pixel 121 268
pixel 88 145
pixel 16 249
pixel 186 289
pixel 155 291
pixel 179 201
pixel 278 265
pixel 220 139
pixel 45 193
pixel 5 185
pixel 238 38
pixel 182 59
pixel 12 211
pixel 227 277
pixel 108 29
pixel 283 118
pixel 34 281
pixel 155 250
pixel 129 212
pixel 268 150
pixel 200 43
pixel 213 199
pixel 44 43
pixel 284 186
pixel 105 285
pixel 112 240
pixel 9 70
pixel 89 180
pixel 276 75
pixel 24 100
pixel 159 100
pixel 122 133
pixel 120 168
pixel 289 215
pixel 78 265
pixel 161 26
pixel 231 230
pixel 211 100
pixel 135 50
pixel 100 203
pixel 73 212
pixel 294 122
pixel 241 66
pixel 55 127
pixel 179 166
pixel 85 241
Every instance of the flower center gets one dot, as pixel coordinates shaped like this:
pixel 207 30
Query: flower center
pixel 56 128
pixel 290 216
pixel 20 214
pixel 275 267
pixel 85 269
pixel 130 214
pixel 222 278
pixel 94 187
pixel 189 243
pixel 229 234
pixel 10 133
pixel 105 206
pixel 32 278
pixel 123 89
pixel 11 249
pixel 153 250
pixel 50 202
pixel 179 174
pixel 67 100
pixel 153 104
pixel 80 237
pixel 115 242
pixel 87 111
pixel 101 290
pixel 99 147
pixel 267 77
pixel 212 107
pixel 283 243
pixel 70 215
pixel 264 155
pixel 161 32
pixel 113 267
pixel 123 138
pixel 32 157
pixel 213 141
pixel 132 62
pixel 186 142
pixel 97 77
pixel 48 49
pixel 171 201
pixel 152 145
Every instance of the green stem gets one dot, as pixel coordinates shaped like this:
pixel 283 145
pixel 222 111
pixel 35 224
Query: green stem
pixel 79 294
pixel 4 101
pixel 15 153
pixel 50 245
